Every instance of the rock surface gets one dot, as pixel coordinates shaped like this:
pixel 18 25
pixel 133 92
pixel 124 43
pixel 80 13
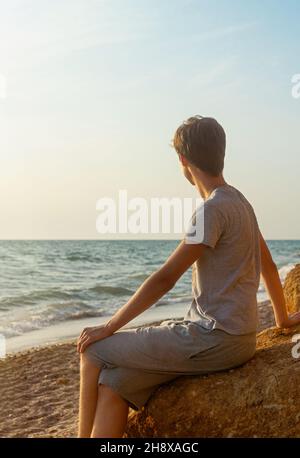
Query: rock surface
pixel 259 399
pixel 292 289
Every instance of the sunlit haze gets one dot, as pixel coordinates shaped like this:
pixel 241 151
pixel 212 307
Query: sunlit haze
pixel 92 92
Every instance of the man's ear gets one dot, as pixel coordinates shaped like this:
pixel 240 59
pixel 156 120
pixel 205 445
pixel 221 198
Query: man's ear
pixel 183 160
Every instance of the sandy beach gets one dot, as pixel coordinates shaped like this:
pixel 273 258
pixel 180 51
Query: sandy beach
pixel 39 389
pixel 39 392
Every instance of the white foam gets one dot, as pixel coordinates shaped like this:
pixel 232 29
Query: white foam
pixel 284 270
pixel 68 330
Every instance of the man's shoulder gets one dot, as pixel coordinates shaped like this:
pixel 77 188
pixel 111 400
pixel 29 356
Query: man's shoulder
pixel 224 202
pixel 228 195
pixel 232 205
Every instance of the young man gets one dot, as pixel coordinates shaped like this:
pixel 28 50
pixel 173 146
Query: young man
pixel 225 247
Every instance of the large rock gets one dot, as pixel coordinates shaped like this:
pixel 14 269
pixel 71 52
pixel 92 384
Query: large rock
pixel 292 289
pixel 259 399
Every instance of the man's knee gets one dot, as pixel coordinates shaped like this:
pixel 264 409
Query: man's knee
pixel 106 393
pixel 86 363
pixel 99 353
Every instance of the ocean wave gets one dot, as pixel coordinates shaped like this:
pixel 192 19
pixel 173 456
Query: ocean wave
pixel 112 290
pixel 52 314
pixel 183 299
pixel 141 277
pixel 43 283
pixel 35 296
pixel 284 270
pixel 82 257
pixel 56 294
pixel 84 314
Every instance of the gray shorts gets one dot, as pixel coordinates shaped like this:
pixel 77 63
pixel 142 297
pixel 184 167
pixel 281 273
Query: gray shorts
pixel 135 362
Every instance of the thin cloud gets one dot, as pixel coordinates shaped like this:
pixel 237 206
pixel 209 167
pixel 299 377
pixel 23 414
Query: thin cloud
pixel 216 71
pixel 57 29
pixel 225 31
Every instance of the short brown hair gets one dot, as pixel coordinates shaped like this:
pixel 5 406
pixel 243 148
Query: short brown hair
pixel 202 141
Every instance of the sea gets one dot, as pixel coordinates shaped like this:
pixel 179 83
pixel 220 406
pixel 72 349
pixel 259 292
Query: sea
pixel 47 282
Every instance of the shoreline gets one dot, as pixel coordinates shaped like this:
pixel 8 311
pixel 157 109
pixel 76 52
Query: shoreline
pixel 39 387
pixel 39 390
pixel 69 330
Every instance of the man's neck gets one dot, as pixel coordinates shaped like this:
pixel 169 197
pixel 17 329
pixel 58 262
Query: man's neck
pixel 206 184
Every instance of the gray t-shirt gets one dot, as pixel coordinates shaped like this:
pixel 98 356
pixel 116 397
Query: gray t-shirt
pixel 226 277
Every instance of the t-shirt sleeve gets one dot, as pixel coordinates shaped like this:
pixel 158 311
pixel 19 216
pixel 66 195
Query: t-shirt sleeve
pixel 206 226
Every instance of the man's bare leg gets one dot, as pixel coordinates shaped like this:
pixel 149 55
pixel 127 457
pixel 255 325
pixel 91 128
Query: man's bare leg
pixel 111 414
pixel 89 374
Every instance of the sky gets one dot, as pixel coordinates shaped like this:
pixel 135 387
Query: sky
pixel 91 92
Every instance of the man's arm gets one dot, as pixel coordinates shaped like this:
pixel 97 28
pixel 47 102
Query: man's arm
pixel 274 288
pixel 156 286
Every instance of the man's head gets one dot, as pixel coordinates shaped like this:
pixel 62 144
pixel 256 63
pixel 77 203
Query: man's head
pixel 200 142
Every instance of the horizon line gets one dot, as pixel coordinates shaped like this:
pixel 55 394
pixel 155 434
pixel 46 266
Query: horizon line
pixel 118 239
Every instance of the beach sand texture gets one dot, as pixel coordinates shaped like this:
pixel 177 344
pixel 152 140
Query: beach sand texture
pixel 39 390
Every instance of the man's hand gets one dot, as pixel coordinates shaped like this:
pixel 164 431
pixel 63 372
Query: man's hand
pixel 90 335
pixel 274 288
pixel 292 320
